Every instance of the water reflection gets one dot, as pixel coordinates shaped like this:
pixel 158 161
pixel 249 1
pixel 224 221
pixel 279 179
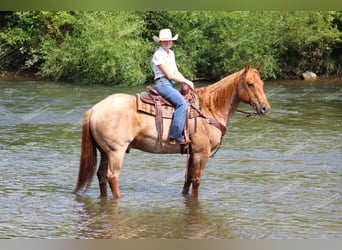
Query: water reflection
pixel 201 223
pixel 274 177
pixel 112 219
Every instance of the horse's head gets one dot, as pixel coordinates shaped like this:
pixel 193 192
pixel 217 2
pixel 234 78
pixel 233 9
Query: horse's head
pixel 251 90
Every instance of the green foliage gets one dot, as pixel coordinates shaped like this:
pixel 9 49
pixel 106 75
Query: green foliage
pixel 116 47
pixel 239 37
pixel 105 47
pixel 307 41
pixel 24 34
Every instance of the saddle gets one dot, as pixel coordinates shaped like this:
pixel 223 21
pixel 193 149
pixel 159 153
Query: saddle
pixel 153 96
pixel 151 102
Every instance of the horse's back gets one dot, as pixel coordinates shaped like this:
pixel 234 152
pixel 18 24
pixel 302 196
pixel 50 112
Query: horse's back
pixel 117 100
pixel 114 116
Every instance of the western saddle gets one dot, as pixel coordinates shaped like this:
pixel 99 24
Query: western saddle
pixel 151 102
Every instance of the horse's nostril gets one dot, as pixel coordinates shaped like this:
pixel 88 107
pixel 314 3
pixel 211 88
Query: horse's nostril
pixel 263 110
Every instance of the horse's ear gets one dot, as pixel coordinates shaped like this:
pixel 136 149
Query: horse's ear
pixel 259 67
pixel 248 65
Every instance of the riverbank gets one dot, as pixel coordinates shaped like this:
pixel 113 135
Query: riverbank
pixel 26 76
pixel 18 76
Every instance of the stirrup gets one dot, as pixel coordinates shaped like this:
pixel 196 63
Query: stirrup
pixel 182 142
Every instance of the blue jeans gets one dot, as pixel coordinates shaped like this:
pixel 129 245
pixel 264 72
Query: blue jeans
pixel 166 89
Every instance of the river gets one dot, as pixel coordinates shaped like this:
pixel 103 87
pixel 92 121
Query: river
pixel 274 177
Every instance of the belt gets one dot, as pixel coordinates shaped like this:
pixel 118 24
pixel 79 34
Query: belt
pixel 161 77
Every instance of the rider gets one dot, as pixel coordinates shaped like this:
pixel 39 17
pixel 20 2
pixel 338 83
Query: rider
pixel 166 74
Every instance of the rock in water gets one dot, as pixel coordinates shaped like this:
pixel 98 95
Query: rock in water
pixel 309 76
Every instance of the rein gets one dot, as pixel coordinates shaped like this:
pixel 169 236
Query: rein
pixel 213 122
pixel 247 113
pixel 210 120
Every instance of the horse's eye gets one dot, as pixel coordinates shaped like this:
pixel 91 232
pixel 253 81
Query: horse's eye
pixel 250 85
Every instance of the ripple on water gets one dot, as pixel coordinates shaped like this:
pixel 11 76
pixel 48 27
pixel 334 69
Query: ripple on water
pixel 275 177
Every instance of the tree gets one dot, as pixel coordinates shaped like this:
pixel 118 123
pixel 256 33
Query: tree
pixel 116 47
pixel 105 47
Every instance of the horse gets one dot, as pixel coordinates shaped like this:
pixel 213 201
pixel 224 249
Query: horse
pixel 113 126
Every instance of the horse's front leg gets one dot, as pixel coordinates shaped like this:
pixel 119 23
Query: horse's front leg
pixel 187 182
pixel 199 162
pixel 186 186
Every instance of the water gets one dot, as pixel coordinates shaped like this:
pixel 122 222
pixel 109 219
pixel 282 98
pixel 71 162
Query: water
pixel 275 177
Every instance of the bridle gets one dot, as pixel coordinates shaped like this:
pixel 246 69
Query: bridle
pixel 245 85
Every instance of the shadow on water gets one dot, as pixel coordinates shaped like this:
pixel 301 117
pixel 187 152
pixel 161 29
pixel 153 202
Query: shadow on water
pixel 112 219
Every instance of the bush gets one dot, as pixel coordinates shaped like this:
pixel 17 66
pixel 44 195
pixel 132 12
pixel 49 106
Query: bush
pixel 21 38
pixel 116 47
pixel 306 41
pixel 105 47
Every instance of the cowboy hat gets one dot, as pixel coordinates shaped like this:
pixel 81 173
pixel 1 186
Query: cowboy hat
pixel 165 35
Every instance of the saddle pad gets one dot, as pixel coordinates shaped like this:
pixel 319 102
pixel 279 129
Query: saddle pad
pixel 167 111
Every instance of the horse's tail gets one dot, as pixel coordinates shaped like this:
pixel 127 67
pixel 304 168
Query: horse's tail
pixel 88 155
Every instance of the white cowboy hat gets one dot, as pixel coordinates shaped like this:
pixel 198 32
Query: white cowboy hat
pixel 165 35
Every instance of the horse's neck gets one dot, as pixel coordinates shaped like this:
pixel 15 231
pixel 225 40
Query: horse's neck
pixel 223 99
pixel 232 105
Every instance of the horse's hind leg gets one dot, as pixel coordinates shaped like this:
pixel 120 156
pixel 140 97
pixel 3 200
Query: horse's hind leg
pixel 102 174
pixel 115 159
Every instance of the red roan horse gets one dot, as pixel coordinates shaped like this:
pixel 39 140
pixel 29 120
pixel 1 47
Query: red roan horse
pixel 113 126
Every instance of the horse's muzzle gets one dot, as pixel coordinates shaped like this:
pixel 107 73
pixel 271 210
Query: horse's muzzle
pixel 262 109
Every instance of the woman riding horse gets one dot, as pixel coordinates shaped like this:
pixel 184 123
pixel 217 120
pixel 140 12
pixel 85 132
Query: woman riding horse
pixel 165 74
pixel 114 125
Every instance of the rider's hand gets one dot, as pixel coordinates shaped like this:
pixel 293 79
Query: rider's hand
pixel 189 83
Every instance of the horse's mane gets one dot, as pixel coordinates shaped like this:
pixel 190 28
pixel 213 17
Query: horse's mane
pixel 216 94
